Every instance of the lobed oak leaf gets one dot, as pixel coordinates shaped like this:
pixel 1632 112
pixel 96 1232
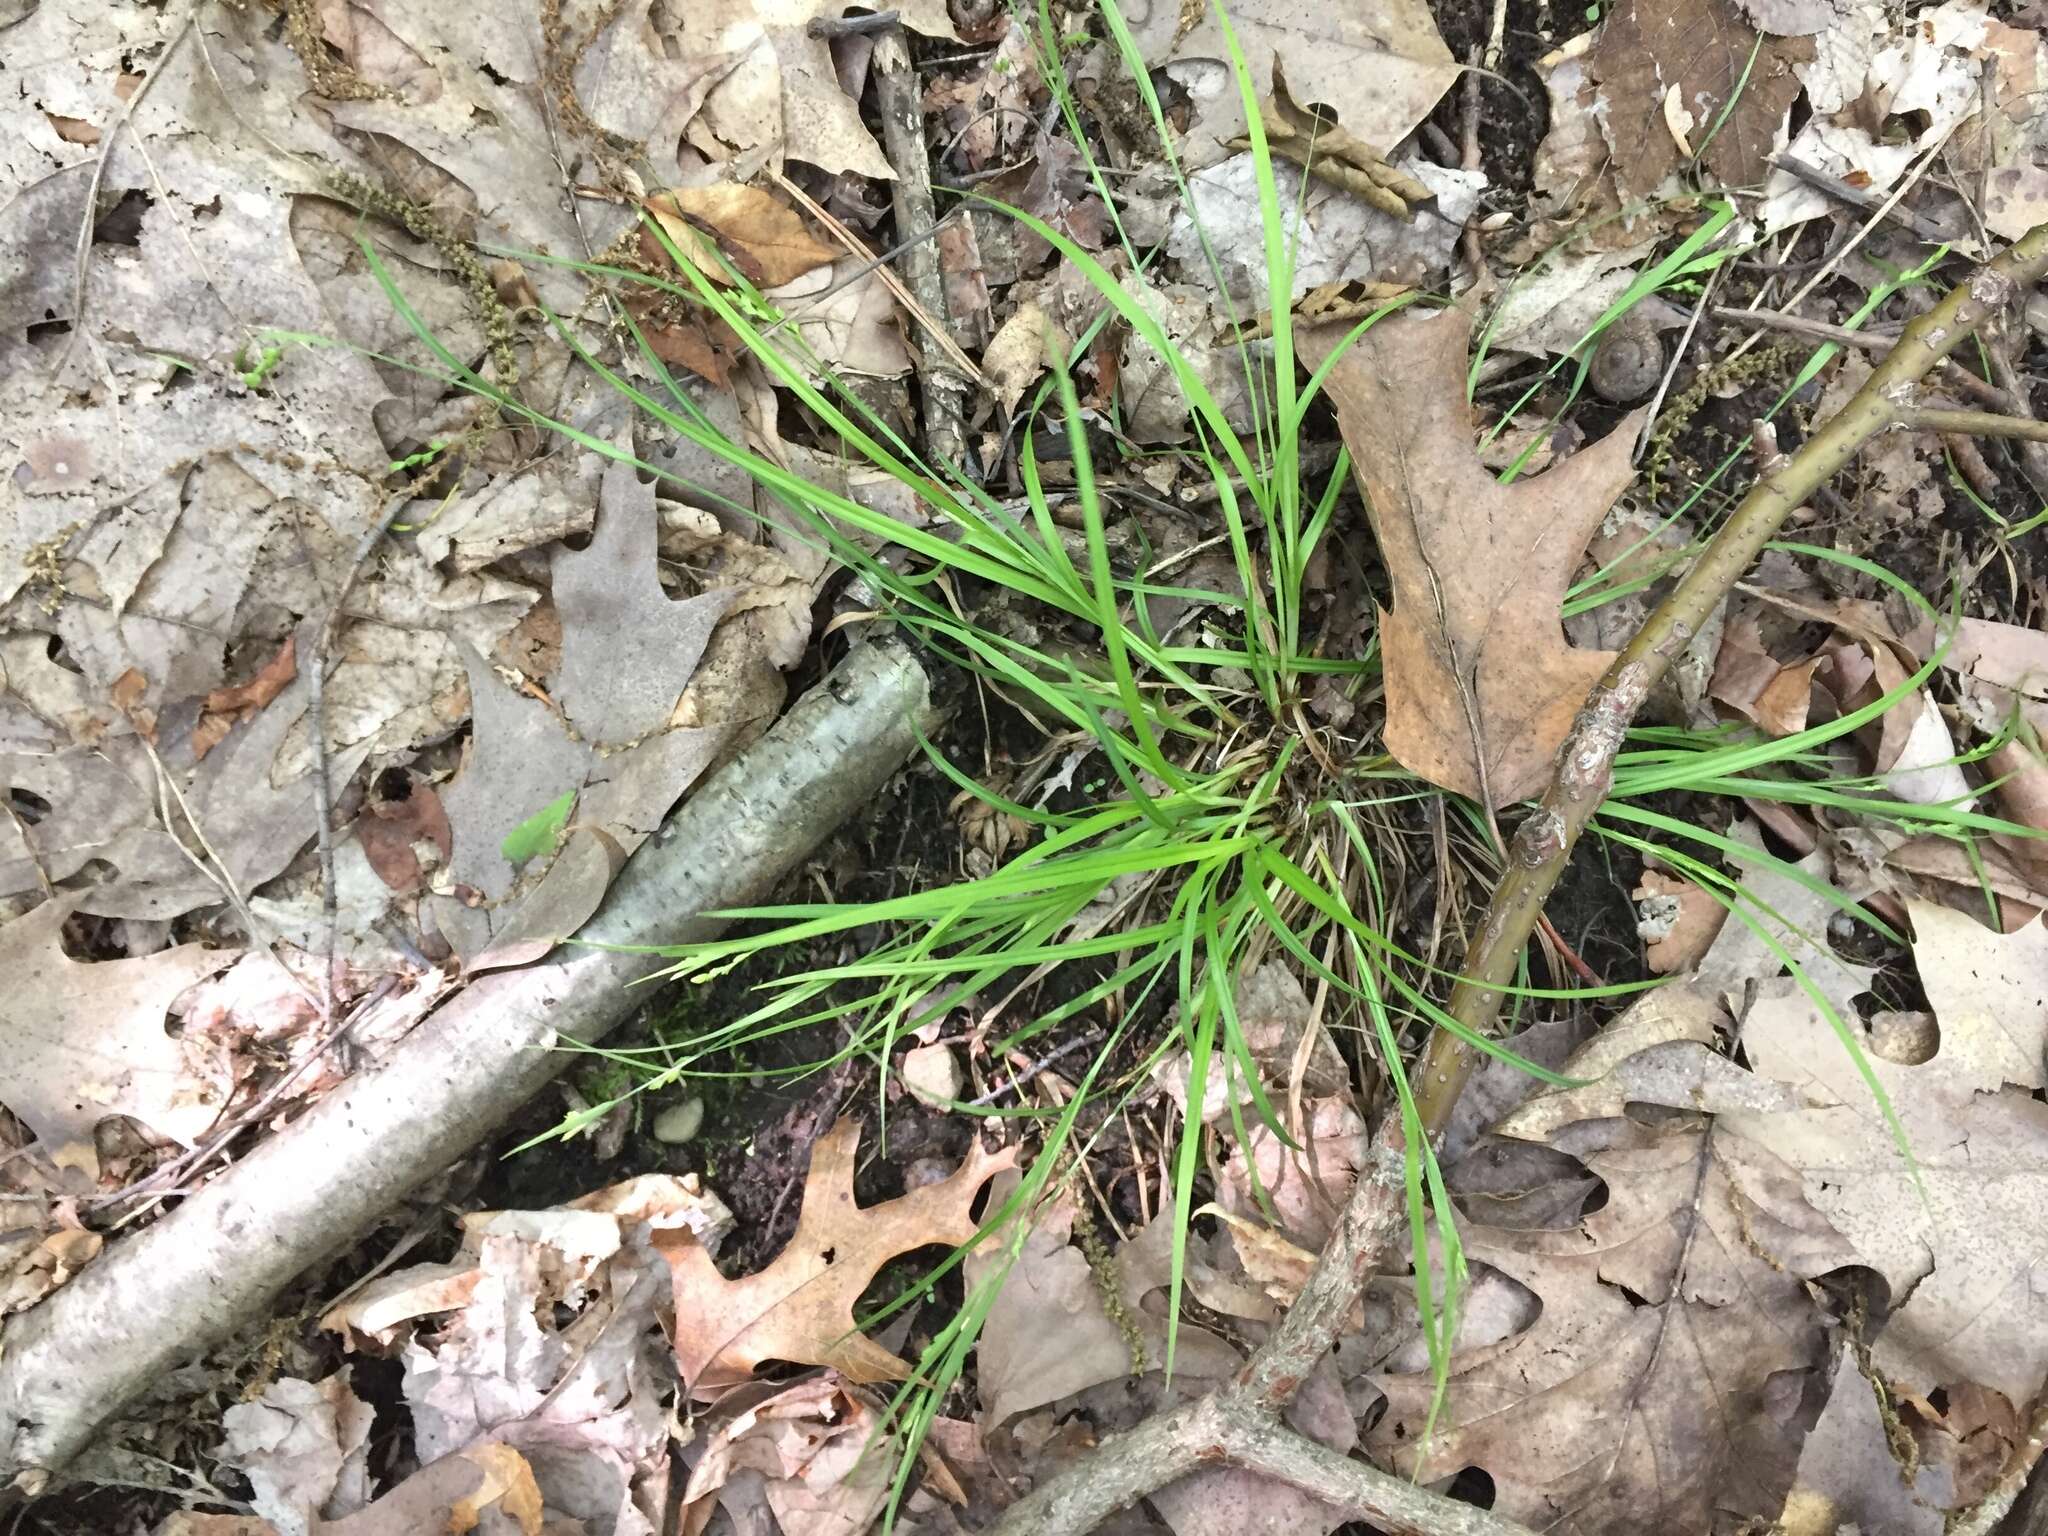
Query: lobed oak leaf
pixel 1481 683
pixel 800 1308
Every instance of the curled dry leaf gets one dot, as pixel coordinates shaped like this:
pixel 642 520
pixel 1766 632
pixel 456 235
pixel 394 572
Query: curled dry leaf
pixel 1481 683
pixel 305 1448
pixel 1314 140
pixel 800 1308
pixel 779 94
pixel 225 707
pixel 33 1265
pixel 1660 1052
pixel 764 238
pixel 1277 1266
pixel 820 1449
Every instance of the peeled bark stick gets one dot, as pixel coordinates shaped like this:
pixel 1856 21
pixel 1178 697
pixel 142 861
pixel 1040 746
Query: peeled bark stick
pixel 901 102
pixel 1236 1425
pixel 217 1262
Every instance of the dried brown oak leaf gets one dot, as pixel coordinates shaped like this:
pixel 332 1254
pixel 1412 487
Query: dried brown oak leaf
pixel 1696 65
pixel 1481 684
pixel 800 1308
pixel 765 239
pixel 1647 1390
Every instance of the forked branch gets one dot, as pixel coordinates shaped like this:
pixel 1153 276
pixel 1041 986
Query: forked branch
pixel 1239 1425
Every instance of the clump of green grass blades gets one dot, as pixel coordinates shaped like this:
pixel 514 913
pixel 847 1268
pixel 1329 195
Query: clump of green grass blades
pixel 1230 835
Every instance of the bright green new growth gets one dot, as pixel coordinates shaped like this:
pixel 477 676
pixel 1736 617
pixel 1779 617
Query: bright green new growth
pixel 1230 836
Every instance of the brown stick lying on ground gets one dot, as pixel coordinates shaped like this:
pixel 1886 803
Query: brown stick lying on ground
pixel 1239 1424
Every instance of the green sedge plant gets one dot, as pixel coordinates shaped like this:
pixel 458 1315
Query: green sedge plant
pixel 1227 833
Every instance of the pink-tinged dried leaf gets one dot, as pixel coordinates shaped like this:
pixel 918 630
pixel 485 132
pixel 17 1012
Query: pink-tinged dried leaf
pixel 227 707
pixel 800 1308
pixel 393 834
pixel 2006 665
pixel 1481 683
pixel 1050 1291
pixel 1380 67
pixel 1774 694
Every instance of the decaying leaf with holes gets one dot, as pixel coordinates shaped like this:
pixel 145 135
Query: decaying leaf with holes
pixel 1956 1232
pixel 1637 1396
pixel 1481 683
pixel 800 1308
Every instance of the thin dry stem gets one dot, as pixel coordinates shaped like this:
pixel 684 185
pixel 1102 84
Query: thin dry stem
pixel 1975 424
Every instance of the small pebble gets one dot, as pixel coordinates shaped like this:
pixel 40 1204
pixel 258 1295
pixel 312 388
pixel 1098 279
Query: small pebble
pixel 931 1073
pixel 680 1122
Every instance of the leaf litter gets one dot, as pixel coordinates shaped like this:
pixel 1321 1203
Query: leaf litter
pixel 507 715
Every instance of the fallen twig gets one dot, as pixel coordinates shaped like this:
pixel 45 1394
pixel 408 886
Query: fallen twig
pixel 901 102
pixel 1238 1424
pixel 164 1295
pixel 1860 197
